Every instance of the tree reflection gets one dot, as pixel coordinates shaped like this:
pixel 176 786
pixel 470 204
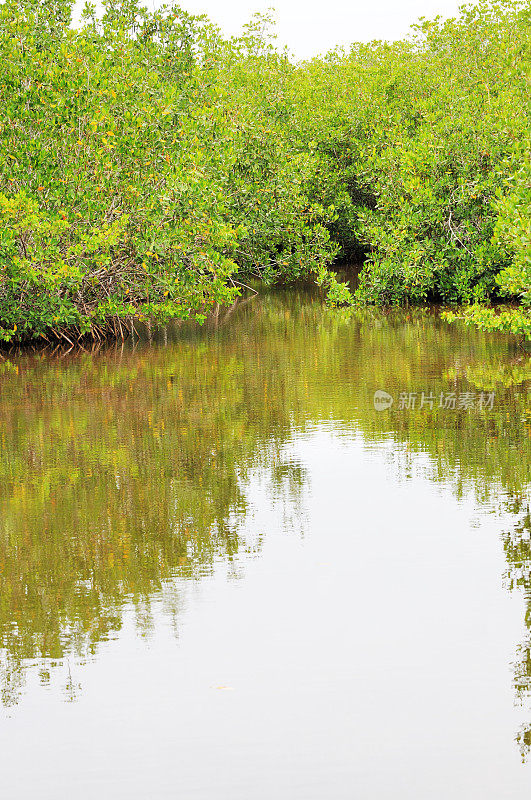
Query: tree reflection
pixel 122 469
pixel 517 546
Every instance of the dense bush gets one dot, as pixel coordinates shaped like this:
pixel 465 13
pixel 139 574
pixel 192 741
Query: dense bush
pixel 133 184
pixel 429 137
pixel 149 167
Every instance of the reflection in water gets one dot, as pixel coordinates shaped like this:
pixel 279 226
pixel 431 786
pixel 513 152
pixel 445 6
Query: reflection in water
pixel 517 546
pixel 126 468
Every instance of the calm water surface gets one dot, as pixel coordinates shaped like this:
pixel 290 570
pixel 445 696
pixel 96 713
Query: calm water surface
pixel 225 574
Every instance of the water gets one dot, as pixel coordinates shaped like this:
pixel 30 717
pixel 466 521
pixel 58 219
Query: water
pixel 225 574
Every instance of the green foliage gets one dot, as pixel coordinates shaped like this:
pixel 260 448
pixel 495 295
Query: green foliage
pixel 425 151
pixel 134 183
pixel 512 233
pixel 148 166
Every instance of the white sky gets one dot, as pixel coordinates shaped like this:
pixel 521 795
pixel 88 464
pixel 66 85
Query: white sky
pixel 309 27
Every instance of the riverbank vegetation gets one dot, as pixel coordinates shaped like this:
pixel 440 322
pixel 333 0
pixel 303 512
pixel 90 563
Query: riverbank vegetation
pixel 150 168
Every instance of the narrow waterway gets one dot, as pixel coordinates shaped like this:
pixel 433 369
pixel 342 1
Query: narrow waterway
pixel 285 556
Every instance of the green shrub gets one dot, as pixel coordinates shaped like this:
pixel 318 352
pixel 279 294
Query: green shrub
pixel 133 184
pixel 149 167
pixel 425 144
